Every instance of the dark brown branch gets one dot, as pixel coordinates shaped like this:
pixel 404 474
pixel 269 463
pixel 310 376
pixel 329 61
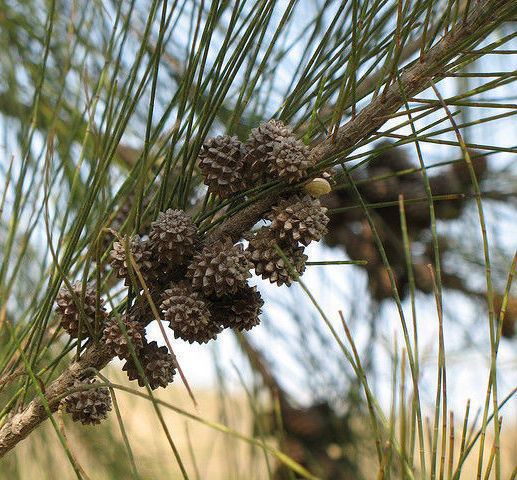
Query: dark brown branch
pixel 242 221
pixel 413 80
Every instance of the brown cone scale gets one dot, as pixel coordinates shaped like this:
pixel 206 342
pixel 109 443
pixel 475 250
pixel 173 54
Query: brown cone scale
pixel 221 163
pixel 70 315
pixel 157 363
pixel 219 270
pixel 89 406
pixel 299 220
pixel 188 314
pixel 268 262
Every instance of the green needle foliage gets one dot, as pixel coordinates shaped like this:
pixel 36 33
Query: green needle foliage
pixel 405 106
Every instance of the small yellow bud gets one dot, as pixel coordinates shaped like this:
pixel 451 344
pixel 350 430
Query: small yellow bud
pixel 317 187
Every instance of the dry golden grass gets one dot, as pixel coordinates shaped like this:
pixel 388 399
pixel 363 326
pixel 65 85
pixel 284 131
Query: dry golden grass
pixel 205 452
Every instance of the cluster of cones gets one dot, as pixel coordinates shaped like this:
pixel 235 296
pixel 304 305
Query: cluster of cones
pixel 386 176
pixel 199 289
pixel 272 152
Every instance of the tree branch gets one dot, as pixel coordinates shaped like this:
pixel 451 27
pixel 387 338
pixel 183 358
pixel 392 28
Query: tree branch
pixel 485 15
pixel 20 425
pixel 414 79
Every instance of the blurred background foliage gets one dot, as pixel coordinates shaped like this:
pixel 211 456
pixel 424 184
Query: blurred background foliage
pixel 103 108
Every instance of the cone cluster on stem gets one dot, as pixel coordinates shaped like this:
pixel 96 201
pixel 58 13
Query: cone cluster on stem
pixel 199 288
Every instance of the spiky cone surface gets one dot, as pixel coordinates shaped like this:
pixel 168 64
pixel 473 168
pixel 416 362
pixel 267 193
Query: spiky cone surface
pixel 188 314
pixel 89 406
pixel 299 220
pixel 220 270
pixel 240 311
pixel 221 163
pixel 69 312
pixel 289 160
pixel 117 342
pixel 259 146
pixel 173 237
pixel 142 253
pixel 268 262
pixel 158 365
